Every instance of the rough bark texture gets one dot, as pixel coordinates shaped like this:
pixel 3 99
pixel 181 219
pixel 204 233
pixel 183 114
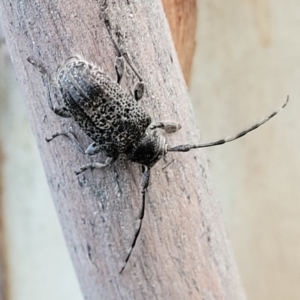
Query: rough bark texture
pixel 182 252
pixel 182 17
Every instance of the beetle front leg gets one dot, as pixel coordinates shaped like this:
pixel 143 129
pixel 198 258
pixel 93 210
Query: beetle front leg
pixel 109 161
pixel 168 126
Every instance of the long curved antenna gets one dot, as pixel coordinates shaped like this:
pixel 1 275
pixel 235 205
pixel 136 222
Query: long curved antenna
pixel 145 183
pixel 185 148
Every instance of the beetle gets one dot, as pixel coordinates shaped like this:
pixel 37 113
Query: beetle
pixel 114 120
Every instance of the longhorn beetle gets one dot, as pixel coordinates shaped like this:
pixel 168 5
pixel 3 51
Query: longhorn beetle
pixel 113 118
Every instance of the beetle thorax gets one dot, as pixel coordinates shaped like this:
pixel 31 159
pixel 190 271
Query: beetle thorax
pixel 148 150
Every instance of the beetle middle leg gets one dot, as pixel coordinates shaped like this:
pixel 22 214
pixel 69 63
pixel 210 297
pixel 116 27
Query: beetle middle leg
pixel 92 149
pixel 71 137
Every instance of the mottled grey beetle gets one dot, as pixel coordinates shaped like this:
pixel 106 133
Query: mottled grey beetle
pixel 114 120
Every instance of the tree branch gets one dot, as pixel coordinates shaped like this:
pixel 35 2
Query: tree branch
pixel 182 252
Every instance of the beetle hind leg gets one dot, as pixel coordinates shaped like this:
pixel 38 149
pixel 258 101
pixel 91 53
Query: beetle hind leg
pixel 60 110
pixel 139 91
pixel 120 68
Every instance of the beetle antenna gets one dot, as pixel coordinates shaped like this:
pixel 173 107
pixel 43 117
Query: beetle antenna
pixel 188 147
pixel 145 183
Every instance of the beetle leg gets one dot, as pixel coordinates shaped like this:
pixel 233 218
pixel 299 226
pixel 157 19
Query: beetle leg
pixel 71 137
pixel 168 126
pixel 109 161
pixel 60 110
pixel 139 90
pixel 118 44
pixel 120 68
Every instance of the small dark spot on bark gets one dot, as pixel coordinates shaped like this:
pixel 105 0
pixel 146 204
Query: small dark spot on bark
pixel 89 249
pixel 81 180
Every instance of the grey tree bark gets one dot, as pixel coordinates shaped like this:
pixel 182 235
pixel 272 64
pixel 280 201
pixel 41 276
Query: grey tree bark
pixel 183 251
